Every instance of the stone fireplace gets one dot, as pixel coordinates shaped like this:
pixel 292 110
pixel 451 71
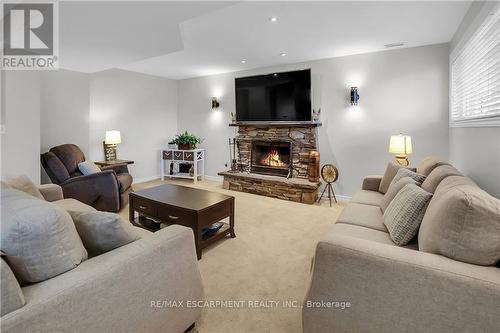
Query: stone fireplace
pixel 273 160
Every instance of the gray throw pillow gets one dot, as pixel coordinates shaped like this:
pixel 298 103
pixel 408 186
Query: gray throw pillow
pixel 88 168
pixel 394 189
pixel 408 173
pixel 405 212
pixel 102 231
pixel 38 238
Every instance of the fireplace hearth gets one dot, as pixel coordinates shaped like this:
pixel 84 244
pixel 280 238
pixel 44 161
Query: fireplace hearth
pixel 271 158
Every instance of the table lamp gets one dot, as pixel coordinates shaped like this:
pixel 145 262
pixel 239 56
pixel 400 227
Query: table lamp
pixel 111 140
pixel 400 145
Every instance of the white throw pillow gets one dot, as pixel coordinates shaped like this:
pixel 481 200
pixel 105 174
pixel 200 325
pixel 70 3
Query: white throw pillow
pixel 88 168
pixel 38 238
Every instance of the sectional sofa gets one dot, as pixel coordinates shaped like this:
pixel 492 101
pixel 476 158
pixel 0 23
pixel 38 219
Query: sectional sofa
pixel 445 280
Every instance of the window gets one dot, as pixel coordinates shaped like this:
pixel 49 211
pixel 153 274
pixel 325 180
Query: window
pixel 475 78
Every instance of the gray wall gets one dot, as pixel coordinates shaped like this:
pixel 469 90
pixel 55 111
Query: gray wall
pixel 20 105
pixel 401 91
pixel 475 150
pixel 143 108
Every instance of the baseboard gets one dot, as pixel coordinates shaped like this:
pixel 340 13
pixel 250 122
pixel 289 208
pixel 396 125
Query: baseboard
pixel 339 197
pixel 215 178
pixel 146 179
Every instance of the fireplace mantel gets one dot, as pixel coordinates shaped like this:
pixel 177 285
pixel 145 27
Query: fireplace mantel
pixel 295 124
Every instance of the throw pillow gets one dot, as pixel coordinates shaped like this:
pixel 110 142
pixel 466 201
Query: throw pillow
pixel 102 232
pixel 408 173
pixel 462 223
pixel 390 172
pixel 394 189
pixel 88 168
pixel 38 238
pixel 405 212
pixel 23 183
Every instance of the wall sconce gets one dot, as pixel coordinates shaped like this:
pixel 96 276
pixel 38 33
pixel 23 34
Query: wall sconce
pixel 215 103
pixel 354 96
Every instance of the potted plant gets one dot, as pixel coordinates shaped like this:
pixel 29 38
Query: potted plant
pixel 186 141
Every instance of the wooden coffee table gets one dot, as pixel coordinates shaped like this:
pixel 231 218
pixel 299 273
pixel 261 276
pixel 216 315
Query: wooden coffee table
pixel 190 207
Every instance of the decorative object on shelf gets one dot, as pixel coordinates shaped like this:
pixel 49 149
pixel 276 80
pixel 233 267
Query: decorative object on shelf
pixel 232 155
pixel 172 145
pixel 186 141
pixel 215 103
pixel 188 164
pixel 316 115
pixel 354 96
pixel 313 170
pixel 232 116
pixel 111 140
pixel 400 146
pixel 330 174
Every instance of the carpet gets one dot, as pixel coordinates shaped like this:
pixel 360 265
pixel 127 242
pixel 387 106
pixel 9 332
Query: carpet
pixel 264 272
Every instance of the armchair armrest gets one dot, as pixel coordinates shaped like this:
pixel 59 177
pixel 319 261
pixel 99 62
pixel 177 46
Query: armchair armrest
pixel 99 190
pixel 383 282
pixel 51 192
pixel 371 183
pixel 118 168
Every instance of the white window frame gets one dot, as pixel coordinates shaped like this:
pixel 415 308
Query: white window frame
pixel 485 120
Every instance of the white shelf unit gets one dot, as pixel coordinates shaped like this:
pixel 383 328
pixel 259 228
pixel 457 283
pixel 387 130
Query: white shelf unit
pixel 196 157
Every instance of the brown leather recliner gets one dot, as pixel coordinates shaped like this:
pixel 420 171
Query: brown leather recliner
pixel 107 190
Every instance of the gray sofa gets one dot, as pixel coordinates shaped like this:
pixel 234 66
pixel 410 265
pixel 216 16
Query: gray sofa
pixel 124 290
pixel 362 282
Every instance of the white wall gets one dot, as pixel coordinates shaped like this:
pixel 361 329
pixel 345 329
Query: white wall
pixel 20 144
pixel 401 91
pixel 475 150
pixel 142 107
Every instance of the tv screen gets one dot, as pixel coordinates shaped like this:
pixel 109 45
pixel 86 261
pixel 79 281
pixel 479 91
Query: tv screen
pixel 274 97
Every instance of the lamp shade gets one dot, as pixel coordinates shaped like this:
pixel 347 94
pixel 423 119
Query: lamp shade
pixel 113 137
pixel 400 145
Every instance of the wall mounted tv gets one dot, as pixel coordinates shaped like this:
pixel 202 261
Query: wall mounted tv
pixel 274 97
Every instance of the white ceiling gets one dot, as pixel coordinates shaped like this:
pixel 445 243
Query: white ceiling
pixel 182 40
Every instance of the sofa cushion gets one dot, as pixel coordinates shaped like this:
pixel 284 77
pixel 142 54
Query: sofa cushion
pixel 23 183
pixel 12 295
pixel 429 163
pixel 394 189
pixel 361 233
pixel 405 212
pixel 88 168
pixel 452 181
pixel 55 169
pixel 102 231
pixel 38 238
pixel 437 175
pixel 70 155
pixel 141 232
pixel 408 173
pixel 462 223
pixel 389 174
pixel 362 215
pixel 367 197
pixel 124 181
pixel 73 205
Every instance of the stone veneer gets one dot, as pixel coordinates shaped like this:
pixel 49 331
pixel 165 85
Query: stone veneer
pixel 304 140
pixel 297 188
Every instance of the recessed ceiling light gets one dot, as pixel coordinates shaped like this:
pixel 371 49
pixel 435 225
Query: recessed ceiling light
pixel 273 19
pixel 283 54
pixel 243 61
pixel 394 44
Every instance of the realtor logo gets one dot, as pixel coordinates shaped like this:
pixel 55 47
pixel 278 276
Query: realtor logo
pixel 30 36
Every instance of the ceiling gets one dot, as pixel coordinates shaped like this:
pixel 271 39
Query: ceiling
pixel 181 40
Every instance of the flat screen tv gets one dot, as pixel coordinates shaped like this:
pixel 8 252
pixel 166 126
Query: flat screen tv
pixel 274 97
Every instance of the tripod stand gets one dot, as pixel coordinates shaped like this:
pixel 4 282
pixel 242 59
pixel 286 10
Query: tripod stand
pixel 330 193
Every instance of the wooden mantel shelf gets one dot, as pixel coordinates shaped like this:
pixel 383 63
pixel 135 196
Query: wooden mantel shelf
pixel 275 124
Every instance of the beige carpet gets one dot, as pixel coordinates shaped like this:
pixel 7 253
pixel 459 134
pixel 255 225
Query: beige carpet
pixel 269 260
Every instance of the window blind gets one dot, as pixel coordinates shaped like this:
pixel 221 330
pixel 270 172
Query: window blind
pixel 475 76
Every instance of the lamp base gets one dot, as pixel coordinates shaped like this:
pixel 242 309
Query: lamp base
pixel 109 151
pixel 402 160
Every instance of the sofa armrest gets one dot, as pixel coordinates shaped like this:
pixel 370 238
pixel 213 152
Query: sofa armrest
pixel 99 190
pixel 51 192
pixel 118 168
pixel 371 183
pixel 129 289
pixel 384 283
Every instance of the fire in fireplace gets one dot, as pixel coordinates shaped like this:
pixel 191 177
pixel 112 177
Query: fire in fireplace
pixel 271 157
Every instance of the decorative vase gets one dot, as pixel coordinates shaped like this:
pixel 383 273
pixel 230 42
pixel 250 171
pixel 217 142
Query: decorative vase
pixel 185 146
pixel 191 171
pixel 313 171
